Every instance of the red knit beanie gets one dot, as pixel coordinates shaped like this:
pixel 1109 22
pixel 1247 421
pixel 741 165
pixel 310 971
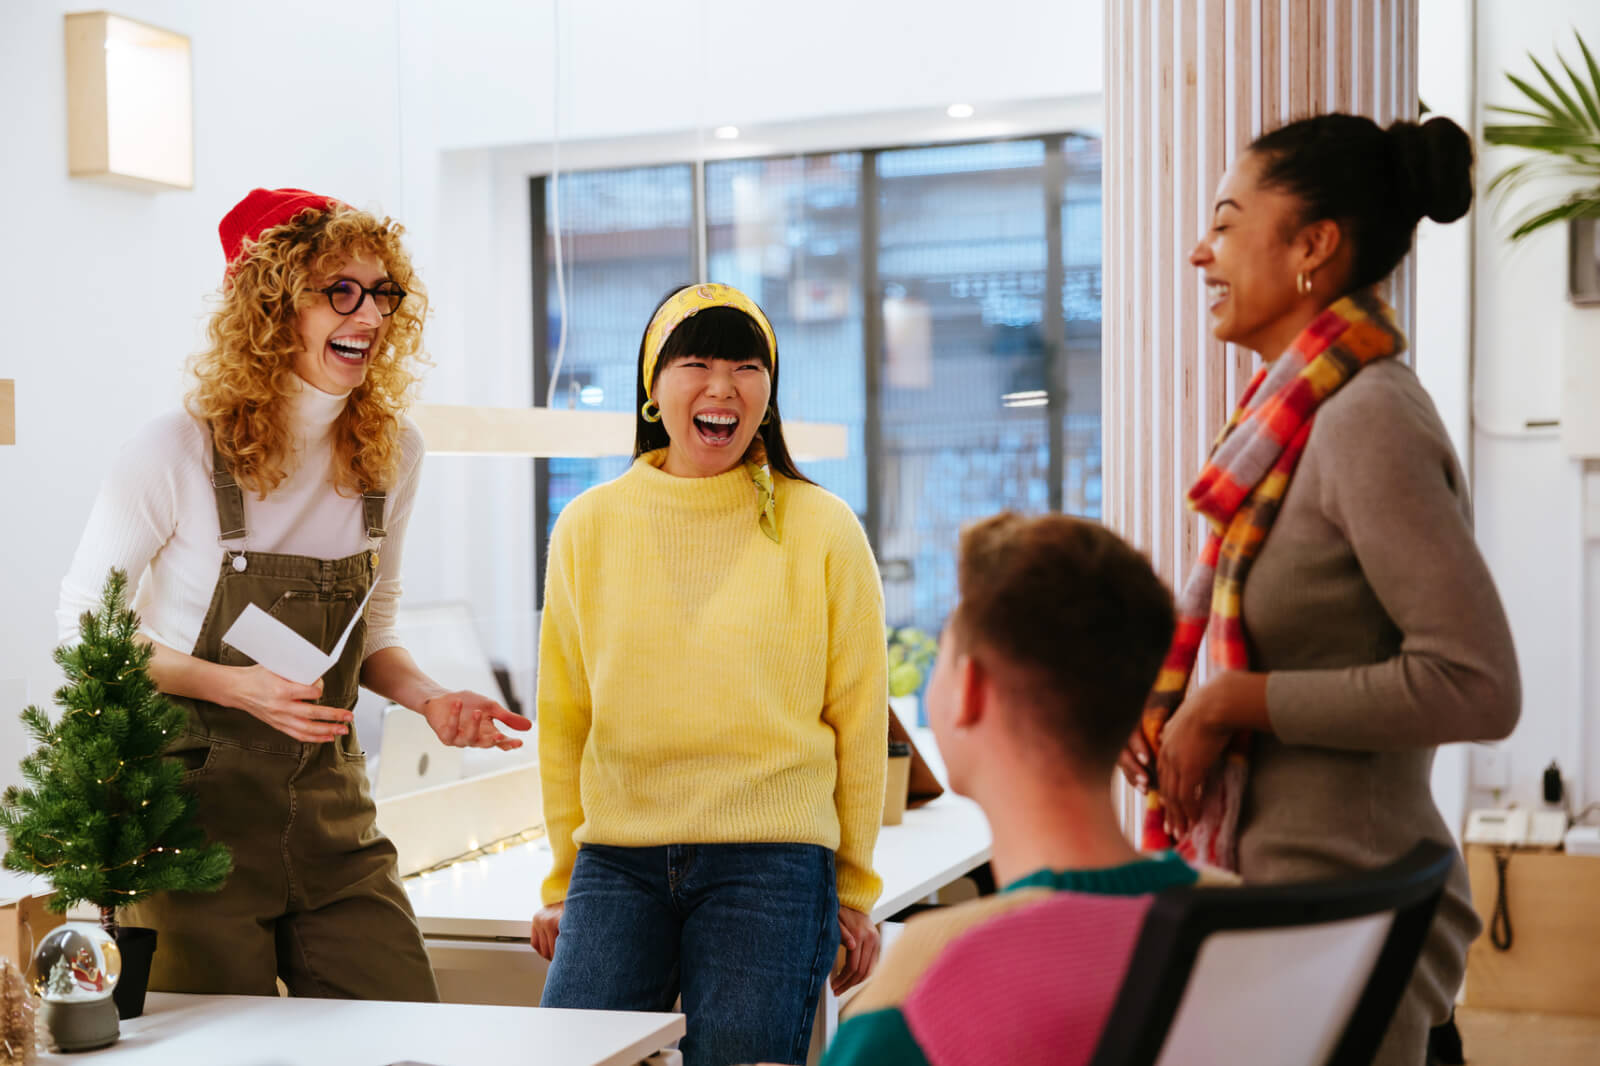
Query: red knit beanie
pixel 260 211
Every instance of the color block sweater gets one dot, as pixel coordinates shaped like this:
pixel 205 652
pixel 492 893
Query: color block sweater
pixel 890 1022
pixel 701 684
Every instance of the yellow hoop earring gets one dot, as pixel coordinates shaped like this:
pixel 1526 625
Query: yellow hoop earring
pixel 1302 283
pixel 651 411
pixel 766 420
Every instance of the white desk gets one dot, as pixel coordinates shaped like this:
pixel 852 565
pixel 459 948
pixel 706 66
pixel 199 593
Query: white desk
pixel 494 898
pixel 476 917
pixel 263 1031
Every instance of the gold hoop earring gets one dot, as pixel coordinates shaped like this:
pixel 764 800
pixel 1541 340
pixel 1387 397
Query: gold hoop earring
pixel 766 419
pixel 1302 283
pixel 651 411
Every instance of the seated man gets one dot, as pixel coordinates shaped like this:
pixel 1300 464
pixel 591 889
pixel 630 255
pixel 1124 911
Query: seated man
pixel 1043 671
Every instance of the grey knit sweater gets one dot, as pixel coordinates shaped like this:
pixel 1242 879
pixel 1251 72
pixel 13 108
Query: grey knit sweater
pixel 1375 616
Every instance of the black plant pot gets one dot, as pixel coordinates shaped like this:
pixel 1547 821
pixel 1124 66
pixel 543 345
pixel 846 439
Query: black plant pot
pixel 138 947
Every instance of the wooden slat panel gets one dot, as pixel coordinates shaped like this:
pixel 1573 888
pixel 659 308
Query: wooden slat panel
pixel 1366 98
pixel 1191 220
pixel 1269 64
pixel 1141 262
pixel 1188 87
pixel 1342 49
pixel 1164 550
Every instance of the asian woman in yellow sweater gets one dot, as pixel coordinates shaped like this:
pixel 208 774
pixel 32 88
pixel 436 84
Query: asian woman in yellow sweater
pixel 712 710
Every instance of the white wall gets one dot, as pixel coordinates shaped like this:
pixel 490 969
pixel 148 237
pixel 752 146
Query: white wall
pixel 1529 494
pixel 104 289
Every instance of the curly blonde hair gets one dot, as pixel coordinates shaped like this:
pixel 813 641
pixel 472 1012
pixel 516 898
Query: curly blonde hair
pixel 245 379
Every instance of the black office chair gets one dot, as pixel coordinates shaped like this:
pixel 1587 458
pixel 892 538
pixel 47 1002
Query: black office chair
pixel 1287 975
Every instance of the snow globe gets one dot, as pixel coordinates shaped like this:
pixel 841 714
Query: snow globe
pixel 74 971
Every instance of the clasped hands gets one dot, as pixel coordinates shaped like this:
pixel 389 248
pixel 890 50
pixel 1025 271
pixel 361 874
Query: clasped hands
pixel 1193 742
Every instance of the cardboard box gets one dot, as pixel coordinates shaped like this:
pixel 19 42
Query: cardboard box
pixel 1554 962
pixel 23 923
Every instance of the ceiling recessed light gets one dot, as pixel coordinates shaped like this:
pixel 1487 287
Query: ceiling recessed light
pixel 959 110
pixel 725 133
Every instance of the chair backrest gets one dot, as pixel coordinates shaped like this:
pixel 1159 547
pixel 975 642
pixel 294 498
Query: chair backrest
pixel 1288 975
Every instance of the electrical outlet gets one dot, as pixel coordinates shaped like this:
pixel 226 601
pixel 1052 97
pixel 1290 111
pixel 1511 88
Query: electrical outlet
pixel 1491 767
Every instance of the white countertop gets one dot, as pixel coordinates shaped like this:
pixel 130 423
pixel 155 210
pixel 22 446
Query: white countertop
pixel 178 1030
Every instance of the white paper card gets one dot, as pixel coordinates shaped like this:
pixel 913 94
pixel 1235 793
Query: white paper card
pixel 283 651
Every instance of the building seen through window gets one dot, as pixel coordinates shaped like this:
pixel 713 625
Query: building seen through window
pixel 969 272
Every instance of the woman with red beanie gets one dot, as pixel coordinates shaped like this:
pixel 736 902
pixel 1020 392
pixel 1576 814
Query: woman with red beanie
pixel 286 483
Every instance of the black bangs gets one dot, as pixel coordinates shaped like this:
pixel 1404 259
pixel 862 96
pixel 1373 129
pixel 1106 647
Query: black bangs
pixel 721 333
pixel 717 333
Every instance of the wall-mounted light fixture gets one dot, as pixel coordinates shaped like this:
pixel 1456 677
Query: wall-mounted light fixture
pixel 130 102
pixel 8 412
pixel 558 432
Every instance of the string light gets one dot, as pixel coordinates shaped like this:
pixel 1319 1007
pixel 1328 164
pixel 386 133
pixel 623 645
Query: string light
pixel 477 855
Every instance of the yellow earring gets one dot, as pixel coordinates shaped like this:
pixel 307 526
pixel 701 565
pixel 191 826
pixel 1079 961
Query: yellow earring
pixel 651 411
pixel 1303 283
pixel 766 420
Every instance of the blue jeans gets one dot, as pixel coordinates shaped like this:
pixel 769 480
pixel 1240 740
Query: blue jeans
pixel 746 933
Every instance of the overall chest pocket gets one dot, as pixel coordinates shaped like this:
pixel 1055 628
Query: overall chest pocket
pixel 319 617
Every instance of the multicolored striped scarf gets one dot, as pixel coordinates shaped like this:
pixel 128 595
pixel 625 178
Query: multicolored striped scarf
pixel 1239 491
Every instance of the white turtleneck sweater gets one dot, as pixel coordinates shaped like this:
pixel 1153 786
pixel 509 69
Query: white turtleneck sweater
pixel 157 509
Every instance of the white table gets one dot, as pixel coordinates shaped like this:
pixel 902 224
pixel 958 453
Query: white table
pixel 180 1030
pixel 476 917
pixel 494 898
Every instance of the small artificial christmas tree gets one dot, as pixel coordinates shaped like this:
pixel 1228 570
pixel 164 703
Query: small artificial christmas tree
pixel 107 818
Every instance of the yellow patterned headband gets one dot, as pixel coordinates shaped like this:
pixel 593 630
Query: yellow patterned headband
pixel 688 302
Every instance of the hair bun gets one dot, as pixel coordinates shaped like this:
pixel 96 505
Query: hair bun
pixel 1436 161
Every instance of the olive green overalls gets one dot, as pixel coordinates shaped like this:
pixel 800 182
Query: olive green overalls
pixel 314 897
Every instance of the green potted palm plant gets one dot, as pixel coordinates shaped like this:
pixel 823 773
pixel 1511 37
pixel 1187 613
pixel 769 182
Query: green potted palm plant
pixel 1558 121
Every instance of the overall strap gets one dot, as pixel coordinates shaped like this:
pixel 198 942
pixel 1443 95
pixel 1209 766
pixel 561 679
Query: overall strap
pixel 372 513
pixel 230 501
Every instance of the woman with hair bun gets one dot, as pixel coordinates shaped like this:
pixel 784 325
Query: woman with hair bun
pixel 287 483
pixel 1351 623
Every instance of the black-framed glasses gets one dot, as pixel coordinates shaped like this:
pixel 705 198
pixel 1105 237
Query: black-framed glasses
pixel 346 296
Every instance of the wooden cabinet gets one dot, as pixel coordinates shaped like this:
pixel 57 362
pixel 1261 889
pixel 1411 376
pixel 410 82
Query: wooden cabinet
pixel 1553 900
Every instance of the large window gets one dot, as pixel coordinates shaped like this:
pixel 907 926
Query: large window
pixel 629 239
pixel 788 233
pixel 943 303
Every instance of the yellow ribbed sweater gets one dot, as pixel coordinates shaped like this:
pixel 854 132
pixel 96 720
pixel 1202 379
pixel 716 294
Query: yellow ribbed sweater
pixel 699 683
